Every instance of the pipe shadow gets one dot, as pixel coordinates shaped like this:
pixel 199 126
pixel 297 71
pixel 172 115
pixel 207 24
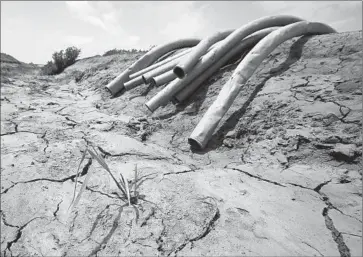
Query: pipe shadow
pixel 200 95
pixel 196 99
pixel 118 94
pixel 217 139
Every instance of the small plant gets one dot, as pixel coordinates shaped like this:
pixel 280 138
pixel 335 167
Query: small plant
pixel 128 191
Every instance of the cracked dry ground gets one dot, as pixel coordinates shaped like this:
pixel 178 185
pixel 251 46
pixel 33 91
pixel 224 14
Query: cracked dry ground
pixel 281 176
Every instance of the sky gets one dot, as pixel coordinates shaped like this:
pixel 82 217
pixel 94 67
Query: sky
pixel 31 31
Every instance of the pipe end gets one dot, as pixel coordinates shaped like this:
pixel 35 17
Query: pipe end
pixel 113 88
pixel 194 144
pixel 179 72
pixel 149 108
pixel 152 82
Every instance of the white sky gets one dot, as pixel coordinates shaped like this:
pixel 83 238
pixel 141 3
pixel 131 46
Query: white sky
pixel 32 30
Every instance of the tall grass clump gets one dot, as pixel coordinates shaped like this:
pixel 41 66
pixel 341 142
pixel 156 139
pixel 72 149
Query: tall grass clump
pixel 128 190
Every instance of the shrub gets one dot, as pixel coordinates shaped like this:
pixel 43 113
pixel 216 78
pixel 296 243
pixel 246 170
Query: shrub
pixel 61 60
pixel 112 52
pixel 49 69
pixel 70 56
pixel 121 51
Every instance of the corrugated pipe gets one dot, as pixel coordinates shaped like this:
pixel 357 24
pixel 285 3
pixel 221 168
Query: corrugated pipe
pixel 242 48
pixel 215 54
pixel 187 64
pixel 150 57
pixel 158 64
pixel 205 128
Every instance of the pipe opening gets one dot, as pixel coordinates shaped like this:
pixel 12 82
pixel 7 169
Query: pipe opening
pixel 179 72
pixel 149 108
pixel 152 82
pixel 109 90
pixel 194 144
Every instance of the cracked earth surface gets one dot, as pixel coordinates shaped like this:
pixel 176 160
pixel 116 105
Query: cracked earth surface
pixel 282 174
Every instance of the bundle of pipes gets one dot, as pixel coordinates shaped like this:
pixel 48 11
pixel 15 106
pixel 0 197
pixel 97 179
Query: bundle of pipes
pixel 188 69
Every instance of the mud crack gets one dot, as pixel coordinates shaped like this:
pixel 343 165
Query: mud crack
pixel 56 211
pixel 45 140
pixel 5 222
pixel 180 172
pixel 313 248
pixel 159 240
pixel 18 235
pixel 84 172
pixel 205 231
pixel 337 236
pixel 146 156
pixel 257 177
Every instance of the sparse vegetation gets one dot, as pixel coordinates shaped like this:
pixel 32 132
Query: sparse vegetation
pixel 128 189
pixel 121 51
pixel 61 60
pixel 8 58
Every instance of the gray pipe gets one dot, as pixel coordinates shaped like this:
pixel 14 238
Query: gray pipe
pixel 134 83
pixel 239 49
pixel 187 64
pixel 158 64
pixel 205 128
pixel 163 78
pixel 148 76
pixel 117 84
pixel 160 70
pixel 215 54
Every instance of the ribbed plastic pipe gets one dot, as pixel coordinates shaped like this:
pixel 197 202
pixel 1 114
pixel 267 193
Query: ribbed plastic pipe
pixel 215 54
pixel 199 50
pixel 209 122
pixel 146 60
pixel 246 44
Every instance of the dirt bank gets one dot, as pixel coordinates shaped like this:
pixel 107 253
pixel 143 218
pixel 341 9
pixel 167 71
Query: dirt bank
pixel 281 176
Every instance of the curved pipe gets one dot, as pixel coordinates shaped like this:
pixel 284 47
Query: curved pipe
pixel 215 54
pixel 158 64
pixel 242 48
pixel 233 38
pixel 166 56
pixel 158 71
pixel 147 59
pixel 199 50
pixel 205 128
pixel 163 78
